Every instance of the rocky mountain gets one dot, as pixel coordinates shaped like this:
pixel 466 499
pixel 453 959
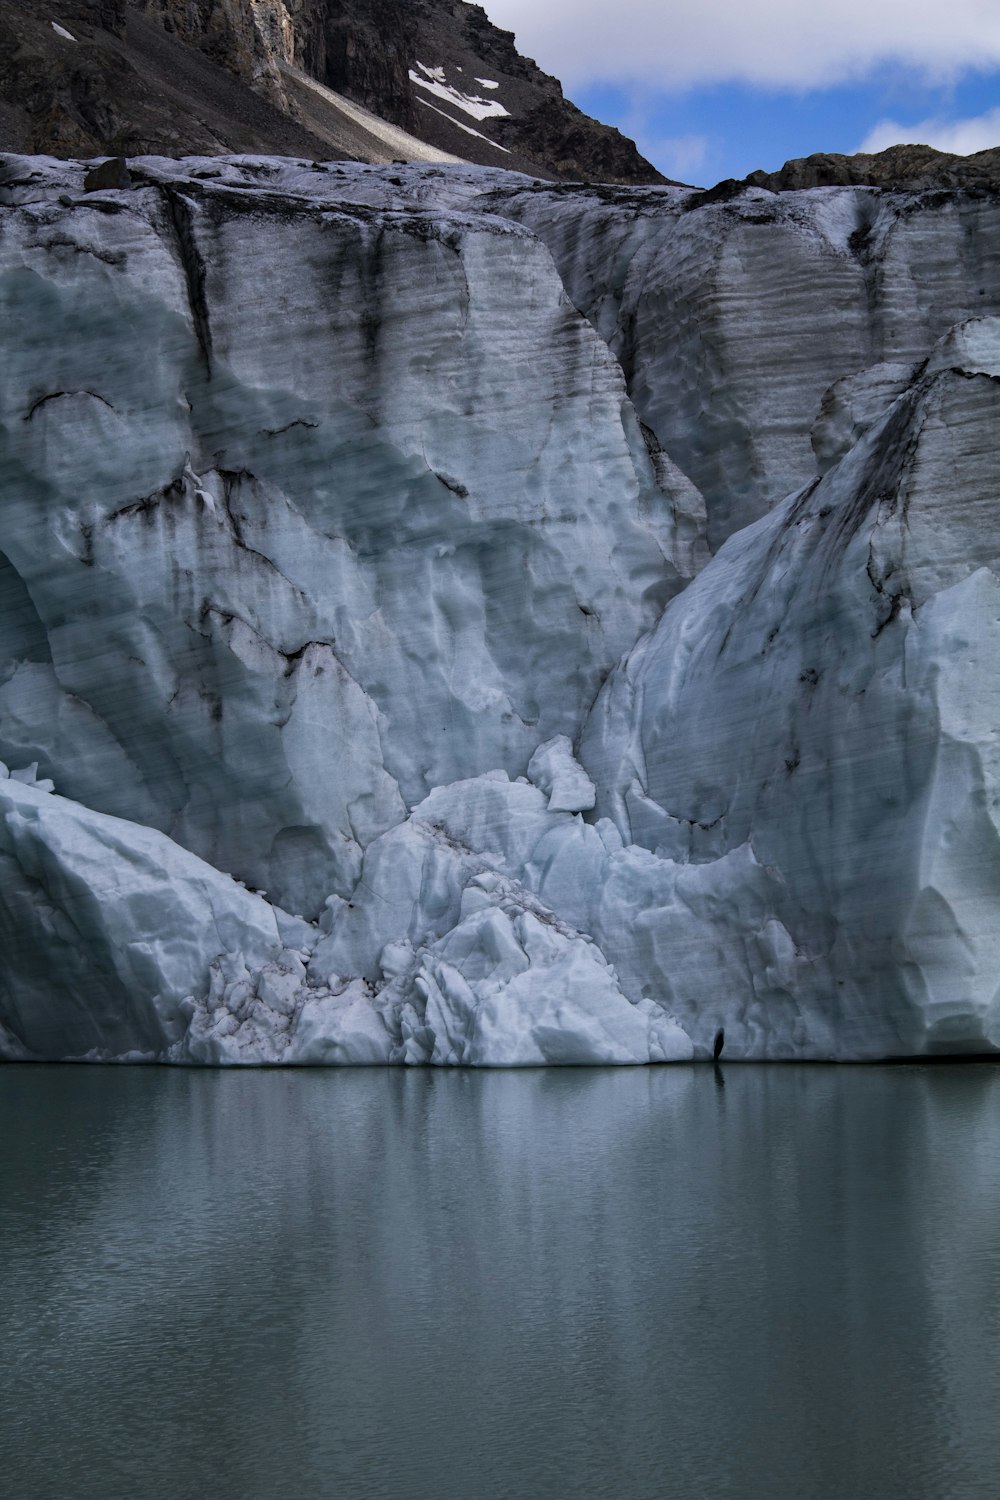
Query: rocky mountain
pixel 459 619
pixel 371 80
pixel 444 72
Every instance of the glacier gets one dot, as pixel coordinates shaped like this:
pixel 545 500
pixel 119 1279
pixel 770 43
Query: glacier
pixel 455 619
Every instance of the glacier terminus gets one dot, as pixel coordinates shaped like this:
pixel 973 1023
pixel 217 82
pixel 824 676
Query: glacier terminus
pixel 454 618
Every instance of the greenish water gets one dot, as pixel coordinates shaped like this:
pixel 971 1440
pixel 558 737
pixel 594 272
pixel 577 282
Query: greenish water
pixel 783 1282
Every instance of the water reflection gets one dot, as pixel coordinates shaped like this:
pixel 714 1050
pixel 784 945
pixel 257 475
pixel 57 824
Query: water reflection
pixel 681 1281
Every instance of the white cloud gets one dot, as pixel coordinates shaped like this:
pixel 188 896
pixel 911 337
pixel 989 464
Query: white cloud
pixel 771 43
pixel 963 137
pixel 680 156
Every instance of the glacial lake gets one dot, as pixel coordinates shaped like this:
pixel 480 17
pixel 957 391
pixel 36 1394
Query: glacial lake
pixel 774 1281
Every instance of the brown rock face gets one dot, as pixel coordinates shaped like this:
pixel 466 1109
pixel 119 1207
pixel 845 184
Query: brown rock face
pixel 368 48
pixel 237 34
pixel 121 84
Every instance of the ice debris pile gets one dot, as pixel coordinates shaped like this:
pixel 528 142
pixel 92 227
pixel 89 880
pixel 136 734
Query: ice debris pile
pixel 380 696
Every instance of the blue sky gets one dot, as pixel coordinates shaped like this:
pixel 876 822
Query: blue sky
pixel 717 90
pixel 729 129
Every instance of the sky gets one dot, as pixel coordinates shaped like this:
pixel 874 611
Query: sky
pixel 717 88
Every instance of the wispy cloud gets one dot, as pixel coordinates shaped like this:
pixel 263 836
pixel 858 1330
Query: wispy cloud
pixel 963 137
pixel 790 44
pixel 679 156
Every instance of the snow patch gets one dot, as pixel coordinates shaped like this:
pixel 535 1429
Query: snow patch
pixel 432 79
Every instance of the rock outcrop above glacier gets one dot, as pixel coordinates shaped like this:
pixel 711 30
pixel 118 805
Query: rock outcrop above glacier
pixel 906 168
pixel 336 564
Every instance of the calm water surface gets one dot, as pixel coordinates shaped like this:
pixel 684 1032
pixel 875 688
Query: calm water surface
pixel 415 1285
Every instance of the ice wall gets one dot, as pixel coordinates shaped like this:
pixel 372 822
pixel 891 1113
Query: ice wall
pixel 309 508
pixel 732 317
pixel 333 564
pixel 825 696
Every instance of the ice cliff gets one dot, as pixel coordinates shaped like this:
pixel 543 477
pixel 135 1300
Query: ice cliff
pixel 358 602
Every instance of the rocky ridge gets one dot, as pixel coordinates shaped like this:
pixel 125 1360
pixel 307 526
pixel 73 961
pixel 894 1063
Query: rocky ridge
pixel 910 169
